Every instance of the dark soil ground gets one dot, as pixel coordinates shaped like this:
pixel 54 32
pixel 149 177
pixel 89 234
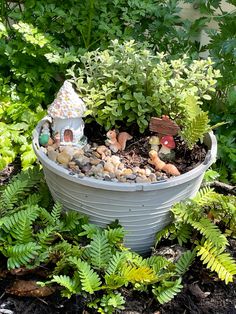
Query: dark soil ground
pixel 202 292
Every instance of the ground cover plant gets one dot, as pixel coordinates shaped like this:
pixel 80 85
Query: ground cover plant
pixel 89 261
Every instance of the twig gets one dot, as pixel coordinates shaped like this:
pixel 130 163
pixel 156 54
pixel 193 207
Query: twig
pixel 226 188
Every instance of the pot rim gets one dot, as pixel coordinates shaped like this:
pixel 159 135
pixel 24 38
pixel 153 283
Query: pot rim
pixel 209 140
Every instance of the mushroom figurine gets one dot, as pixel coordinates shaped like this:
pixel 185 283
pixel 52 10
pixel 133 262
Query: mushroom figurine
pixel 167 144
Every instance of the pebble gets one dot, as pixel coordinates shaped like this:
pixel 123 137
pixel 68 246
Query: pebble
pixel 64 158
pixel 82 161
pixel 98 162
pixel 52 154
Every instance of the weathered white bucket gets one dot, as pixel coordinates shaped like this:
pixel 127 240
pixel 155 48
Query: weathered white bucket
pixel 142 209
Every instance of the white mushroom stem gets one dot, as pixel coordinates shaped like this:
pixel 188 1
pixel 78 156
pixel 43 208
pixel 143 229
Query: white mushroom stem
pixel 164 150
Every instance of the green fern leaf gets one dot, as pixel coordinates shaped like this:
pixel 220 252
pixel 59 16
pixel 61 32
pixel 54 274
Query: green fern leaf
pixel 90 230
pixel 114 281
pixel 99 251
pixel 18 188
pixel 210 231
pixel 115 262
pixel 142 274
pixel 90 280
pixel 56 212
pixel 162 234
pixel 45 216
pixel 183 233
pixel 184 262
pixel 21 254
pixel 222 263
pixel 167 291
pixel 46 236
pixel 195 129
pixel 115 235
pixel 70 284
pixel 32 200
pixel 112 301
pixel 205 196
pixel 157 263
pixel 19 225
pixel 71 220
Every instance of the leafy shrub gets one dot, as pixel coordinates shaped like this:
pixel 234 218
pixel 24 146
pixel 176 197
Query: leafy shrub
pixel 128 84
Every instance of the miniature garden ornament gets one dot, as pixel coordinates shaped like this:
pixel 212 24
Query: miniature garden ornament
pixel 117 142
pixel 66 112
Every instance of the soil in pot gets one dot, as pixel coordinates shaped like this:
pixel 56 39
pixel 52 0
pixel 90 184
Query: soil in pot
pixel 131 165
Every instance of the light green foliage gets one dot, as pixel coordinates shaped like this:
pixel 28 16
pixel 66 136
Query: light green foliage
pixel 167 290
pixel 128 84
pixel 184 262
pixel 111 302
pixel 200 216
pixel 87 259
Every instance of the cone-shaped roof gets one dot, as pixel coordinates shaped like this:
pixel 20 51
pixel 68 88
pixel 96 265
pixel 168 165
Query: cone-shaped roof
pixel 67 103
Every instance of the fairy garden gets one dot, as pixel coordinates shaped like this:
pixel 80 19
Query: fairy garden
pixel 127 115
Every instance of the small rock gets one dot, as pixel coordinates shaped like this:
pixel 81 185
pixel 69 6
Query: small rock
pixel 96 154
pixel 64 158
pixel 107 178
pixel 50 142
pixel 142 172
pixel 131 176
pixel 78 152
pixel 72 165
pixel 126 172
pixel 121 166
pixel 52 154
pixel 152 177
pixel 147 172
pixel 81 175
pixel 94 161
pixel 142 179
pixel 97 170
pixel 68 150
pixel 82 161
pixel 87 148
pixel 115 160
pixel 86 168
pixel 109 167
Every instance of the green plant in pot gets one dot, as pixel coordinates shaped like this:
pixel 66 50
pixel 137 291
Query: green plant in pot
pixel 128 84
pixel 123 87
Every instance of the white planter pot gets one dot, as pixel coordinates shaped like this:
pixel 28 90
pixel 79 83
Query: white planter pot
pixel 142 209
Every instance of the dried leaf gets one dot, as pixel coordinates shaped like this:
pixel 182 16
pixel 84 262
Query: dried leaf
pixel 29 288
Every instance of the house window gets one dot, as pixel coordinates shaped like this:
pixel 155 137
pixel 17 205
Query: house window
pixel 68 136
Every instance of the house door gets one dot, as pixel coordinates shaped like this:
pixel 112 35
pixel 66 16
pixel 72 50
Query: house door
pixel 68 136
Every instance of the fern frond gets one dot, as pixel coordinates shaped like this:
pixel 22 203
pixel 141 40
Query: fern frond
pixel 19 224
pixel 115 235
pixel 222 263
pixel 184 262
pixel 90 280
pixel 210 231
pixel 195 129
pixel 45 216
pixel 205 196
pixel 162 234
pixel 21 254
pixel 99 251
pixel 32 200
pixel 157 263
pixel 114 281
pixel 112 301
pixel 90 230
pixel 67 282
pixel 167 290
pixel 46 236
pixel 56 212
pixel 18 188
pixel 142 274
pixel 183 233
pixel 71 219
pixel 115 262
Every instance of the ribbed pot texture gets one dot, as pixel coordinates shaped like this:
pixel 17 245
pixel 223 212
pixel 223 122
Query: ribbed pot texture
pixel 142 209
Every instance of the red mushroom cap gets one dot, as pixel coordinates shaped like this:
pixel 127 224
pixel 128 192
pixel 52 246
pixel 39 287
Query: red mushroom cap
pixel 168 141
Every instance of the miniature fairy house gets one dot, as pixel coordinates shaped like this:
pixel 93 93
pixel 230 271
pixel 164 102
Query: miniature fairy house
pixel 66 112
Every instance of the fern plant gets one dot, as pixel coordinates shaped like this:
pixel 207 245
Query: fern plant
pixel 86 259
pixel 196 221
